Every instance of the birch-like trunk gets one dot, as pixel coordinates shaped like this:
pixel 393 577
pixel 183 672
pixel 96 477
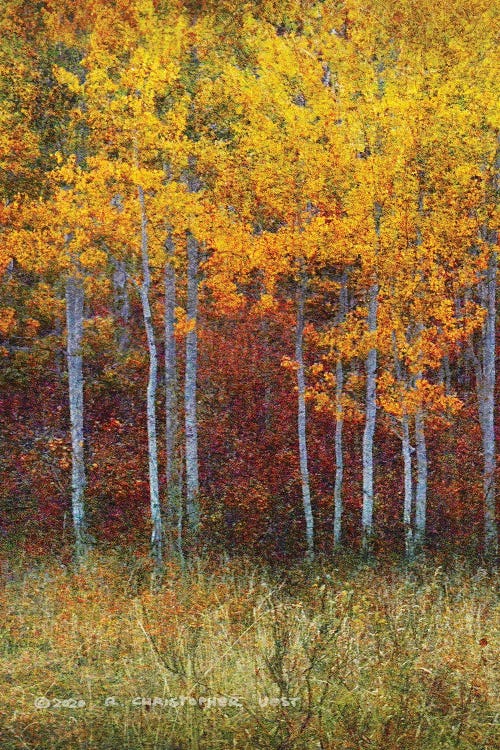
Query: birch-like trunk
pixel 339 456
pixel 301 422
pixel 121 305
pixel 408 487
pixel 486 398
pixel 369 432
pixel 420 443
pixel 191 423
pixel 445 374
pixel 421 484
pixel 339 425
pixel 485 381
pixel 154 493
pixel 74 321
pixel 407 460
pixel 371 409
pixel 174 500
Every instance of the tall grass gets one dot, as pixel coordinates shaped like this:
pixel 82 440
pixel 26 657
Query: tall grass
pixel 241 657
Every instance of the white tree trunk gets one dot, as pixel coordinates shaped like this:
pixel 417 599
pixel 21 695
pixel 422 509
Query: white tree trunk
pixel 486 395
pixel 339 424
pixel 339 456
pixel 121 305
pixel 191 423
pixel 420 443
pixel 368 435
pixel 74 321
pixel 406 450
pixel 421 485
pixel 301 422
pixel 408 487
pixel 371 409
pixel 174 507
pixel 484 366
pixel 157 526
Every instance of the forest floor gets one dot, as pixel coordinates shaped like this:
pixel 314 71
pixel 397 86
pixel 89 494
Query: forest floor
pixel 338 658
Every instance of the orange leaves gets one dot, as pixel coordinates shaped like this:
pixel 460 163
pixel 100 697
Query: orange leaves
pixel 266 304
pixel 183 324
pixel 398 398
pixel 31 328
pixel 46 304
pixel 227 299
pixel 289 364
pixel 7 321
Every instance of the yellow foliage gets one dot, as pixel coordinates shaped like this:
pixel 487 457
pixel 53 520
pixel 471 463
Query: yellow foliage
pixel 7 320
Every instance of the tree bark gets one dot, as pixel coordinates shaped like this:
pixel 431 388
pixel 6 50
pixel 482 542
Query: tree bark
pixel 369 432
pixel 421 485
pixel 174 504
pixel 121 305
pixel 406 450
pixel 156 519
pixel 74 321
pixel 486 397
pixel 301 422
pixel 420 443
pixel 190 388
pixel 339 425
pixel 485 368
pixel 371 408
pixel 339 456
pixel 408 488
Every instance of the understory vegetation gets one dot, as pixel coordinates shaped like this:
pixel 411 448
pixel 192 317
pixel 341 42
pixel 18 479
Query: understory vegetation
pixel 337 656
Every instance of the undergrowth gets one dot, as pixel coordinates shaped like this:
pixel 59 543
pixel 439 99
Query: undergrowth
pixel 242 657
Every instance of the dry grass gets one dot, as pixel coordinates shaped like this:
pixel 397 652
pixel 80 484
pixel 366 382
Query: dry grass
pixel 359 659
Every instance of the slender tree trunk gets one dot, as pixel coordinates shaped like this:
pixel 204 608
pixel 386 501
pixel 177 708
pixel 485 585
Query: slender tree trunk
pixel 339 456
pixel 408 487
pixel 371 409
pixel 170 370
pixel 446 374
pixel 157 526
pixel 485 381
pixel 74 321
pixel 421 485
pixel 191 423
pixel 59 355
pixel 174 507
pixel 407 460
pixel 486 398
pixel 339 425
pixel 420 443
pixel 301 422
pixel 369 432
pixel 121 305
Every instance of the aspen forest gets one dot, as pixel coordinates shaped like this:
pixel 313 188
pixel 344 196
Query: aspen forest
pixel 248 375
